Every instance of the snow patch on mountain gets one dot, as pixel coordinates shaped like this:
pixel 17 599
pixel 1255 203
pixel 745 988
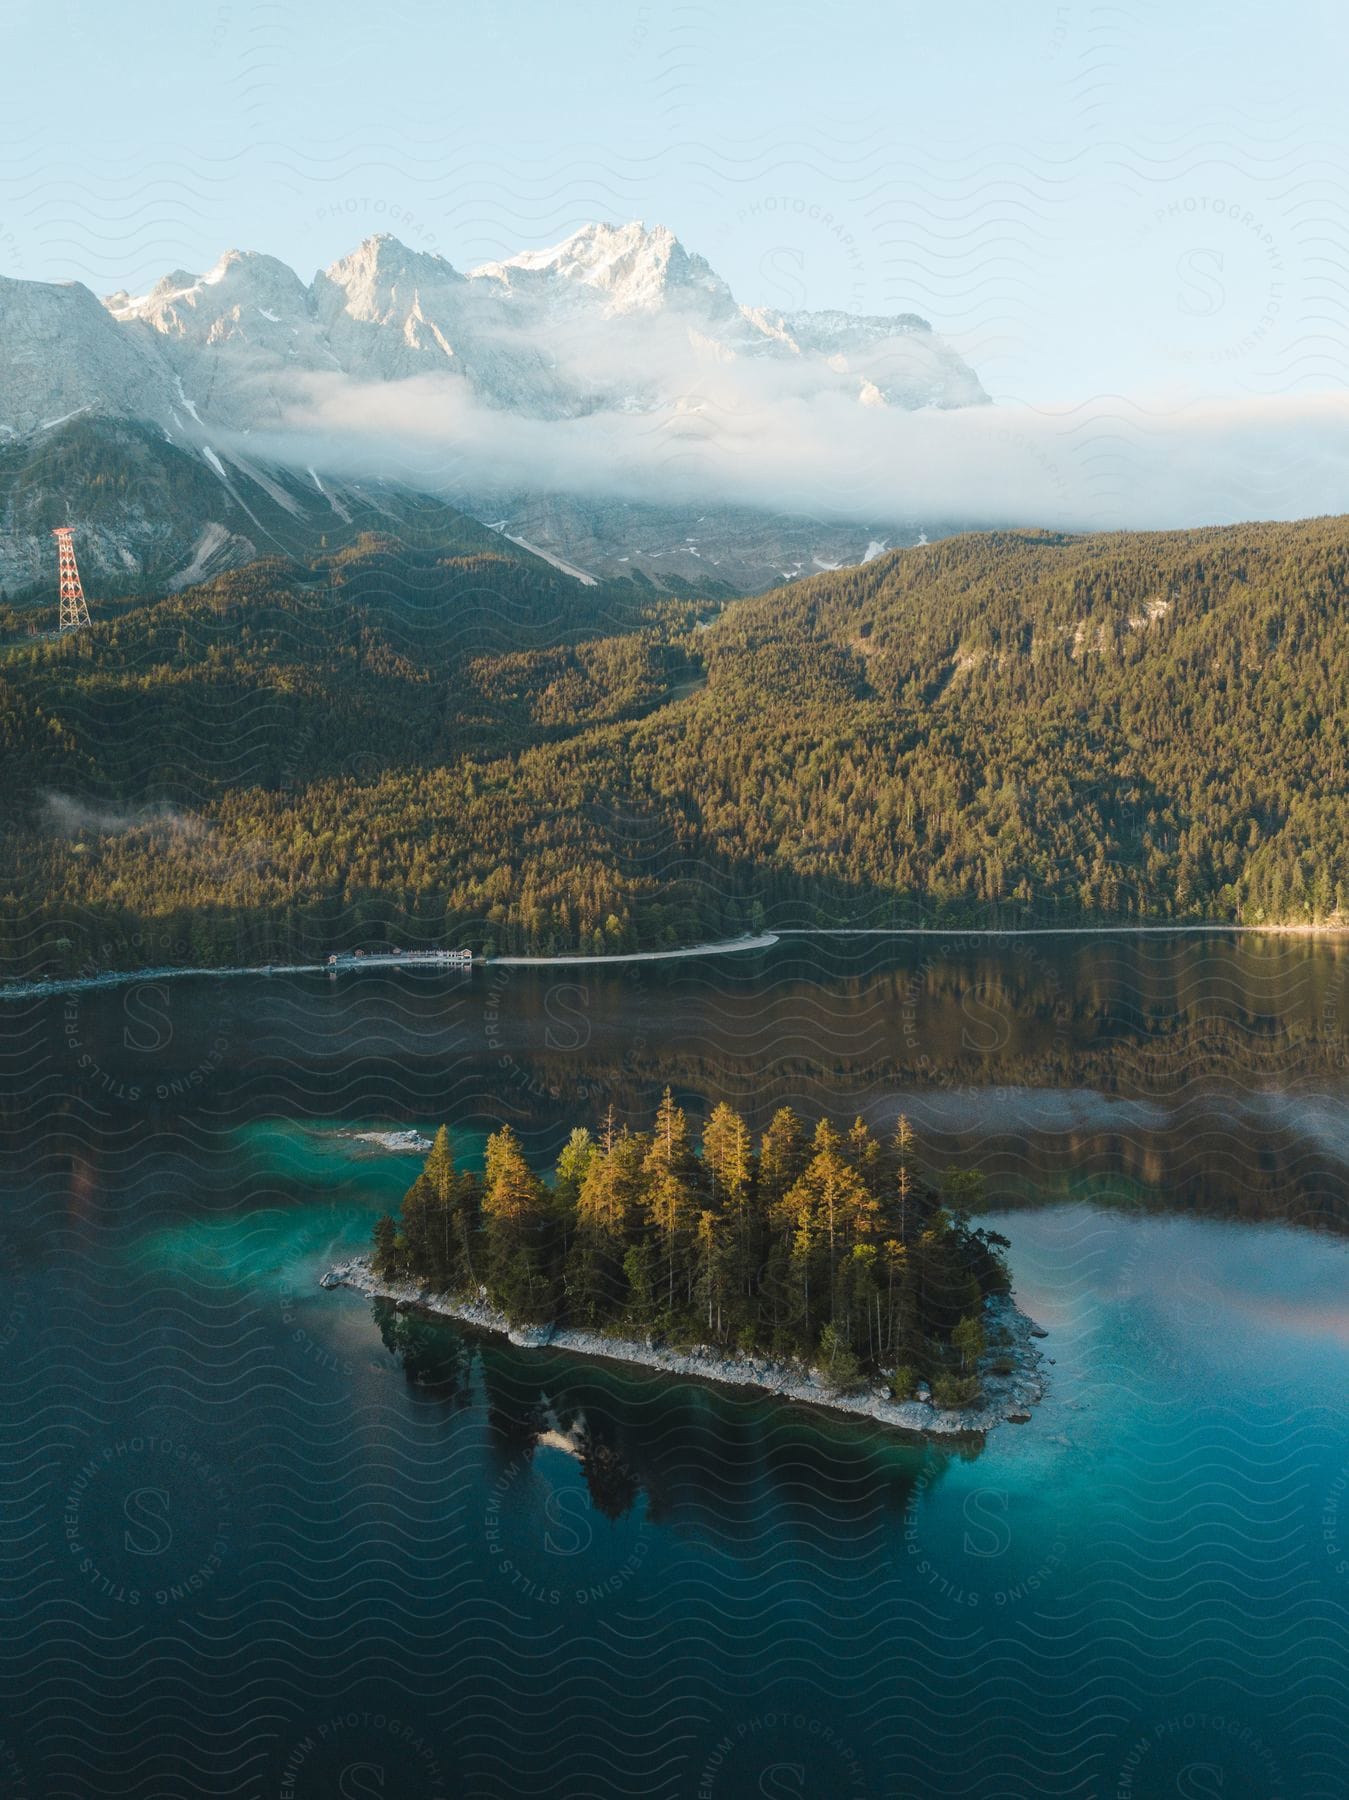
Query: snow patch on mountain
pixel 47 424
pixel 582 575
pixel 205 553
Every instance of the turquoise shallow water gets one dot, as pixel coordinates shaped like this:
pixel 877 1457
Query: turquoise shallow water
pixel 260 1539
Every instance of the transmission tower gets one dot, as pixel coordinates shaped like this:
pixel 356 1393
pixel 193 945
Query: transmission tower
pixel 74 611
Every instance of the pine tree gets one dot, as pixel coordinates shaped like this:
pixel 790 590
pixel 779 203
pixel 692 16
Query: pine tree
pixel 610 1206
pixel 572 1165
pixel 385 1257
pixel 671 1171
pixel 640 1272
pixel 578 1153
pixel 856 1309
pixel 419 1228
pixel 837 1363
pixel 905 1151
pixel 728 1157
pixel 969 1341
pixel 612 1193
pixel 863 1150
pixel 713 1269
pixel 442 1181
pixel 516 1213
pixel 439 1169
pixel 782 1157
pixel 842 1195
pixel 896 1255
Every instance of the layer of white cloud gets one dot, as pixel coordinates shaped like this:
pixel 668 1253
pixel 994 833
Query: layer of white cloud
pixel 769 435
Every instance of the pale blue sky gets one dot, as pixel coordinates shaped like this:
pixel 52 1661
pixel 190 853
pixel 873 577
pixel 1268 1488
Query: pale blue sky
pixel 1147 199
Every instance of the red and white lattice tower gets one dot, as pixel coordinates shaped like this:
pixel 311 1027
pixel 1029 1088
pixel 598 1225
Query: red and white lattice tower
pixel 74 611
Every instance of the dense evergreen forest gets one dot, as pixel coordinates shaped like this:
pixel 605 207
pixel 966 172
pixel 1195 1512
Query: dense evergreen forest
pixel 386 747
pixel 377 657
pixel 819 1245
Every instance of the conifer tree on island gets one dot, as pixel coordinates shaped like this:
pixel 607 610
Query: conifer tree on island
pixel 827 1248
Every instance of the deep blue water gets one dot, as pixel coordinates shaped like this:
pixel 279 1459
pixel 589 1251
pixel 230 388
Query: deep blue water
pixel 263 1540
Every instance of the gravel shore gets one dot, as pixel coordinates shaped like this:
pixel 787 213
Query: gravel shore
pixel 1008 1398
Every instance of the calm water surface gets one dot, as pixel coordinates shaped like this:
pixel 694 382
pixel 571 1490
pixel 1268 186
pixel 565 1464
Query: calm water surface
pixel 262 1540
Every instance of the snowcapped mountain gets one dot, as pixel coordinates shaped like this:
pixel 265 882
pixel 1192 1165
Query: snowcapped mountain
pixel 614 316
pixel 386 312
pixel 230 338
pixel 228 301
pixel 622 268
pixel 618 326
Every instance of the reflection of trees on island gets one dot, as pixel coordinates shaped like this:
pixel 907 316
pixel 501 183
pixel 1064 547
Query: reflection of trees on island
pixel 614 1484
pixel 727 1465
pixel 437 1363
pixel 438 1360
pixel 813 1245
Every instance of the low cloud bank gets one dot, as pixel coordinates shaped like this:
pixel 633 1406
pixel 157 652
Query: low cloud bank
pixel 744 435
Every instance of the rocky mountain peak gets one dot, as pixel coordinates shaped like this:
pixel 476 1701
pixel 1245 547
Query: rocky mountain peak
pixel 632 267
pixel 385 260
pixel 241 285
pixel 175 283
pixel 64 354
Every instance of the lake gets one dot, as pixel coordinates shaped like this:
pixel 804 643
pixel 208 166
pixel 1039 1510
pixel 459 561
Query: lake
pixel 265 1540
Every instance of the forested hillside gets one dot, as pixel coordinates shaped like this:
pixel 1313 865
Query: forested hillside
pixel 1011 727
pixel 152 516
pixel 275 674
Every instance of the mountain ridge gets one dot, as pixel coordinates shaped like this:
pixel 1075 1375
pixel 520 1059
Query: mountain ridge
pixel 230 348
pixel 392 366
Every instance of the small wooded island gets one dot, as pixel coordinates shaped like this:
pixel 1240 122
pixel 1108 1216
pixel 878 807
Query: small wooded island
pixel 828 1253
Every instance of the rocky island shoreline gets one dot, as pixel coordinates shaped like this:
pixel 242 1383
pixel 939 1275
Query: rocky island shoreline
pixel 1008 1398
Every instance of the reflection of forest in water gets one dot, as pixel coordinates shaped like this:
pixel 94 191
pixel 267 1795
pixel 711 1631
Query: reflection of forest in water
pixel 697 1458
pixel 1128 1021
pixel 1206 1073
pixel 1158 1073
